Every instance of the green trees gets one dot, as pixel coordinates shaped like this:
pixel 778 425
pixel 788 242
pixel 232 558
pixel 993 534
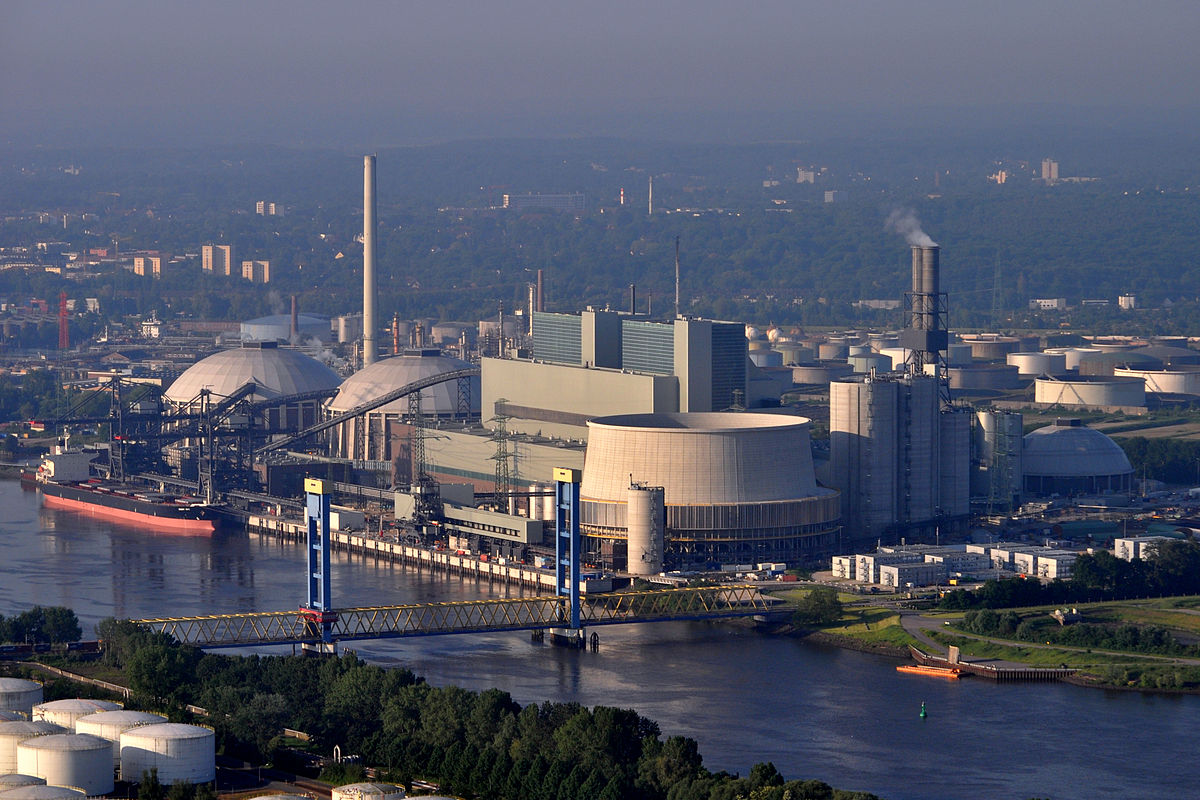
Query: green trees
pixel 820 606
pixel 40 624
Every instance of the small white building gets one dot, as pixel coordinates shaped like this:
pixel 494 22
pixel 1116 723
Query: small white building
pixel 1133 547
pixel 843 567
pixel 919 574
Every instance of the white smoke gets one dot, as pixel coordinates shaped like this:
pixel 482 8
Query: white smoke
pixel 904 222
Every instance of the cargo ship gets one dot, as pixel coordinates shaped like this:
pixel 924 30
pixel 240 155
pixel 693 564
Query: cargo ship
pixel 65 483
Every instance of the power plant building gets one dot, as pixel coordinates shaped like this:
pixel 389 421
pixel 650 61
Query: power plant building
pixel 736 488
pixel 601 363
pixel 898 459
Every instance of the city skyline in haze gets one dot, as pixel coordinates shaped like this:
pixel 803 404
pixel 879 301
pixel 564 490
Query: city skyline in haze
pixel 377 74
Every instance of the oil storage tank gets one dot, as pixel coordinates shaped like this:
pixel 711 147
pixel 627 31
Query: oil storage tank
pixel 65 712
pixel 1090 392
pixel 14 779
pixel 79 760
pixel 1034 364
pixel 42 792
pixel 13 733
pixel 1175 380
pixel 111 724
pixel 179 753
pixel 18 694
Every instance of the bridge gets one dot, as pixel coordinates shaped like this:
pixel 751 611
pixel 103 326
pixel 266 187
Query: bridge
pixel 304 626
pixel 319 625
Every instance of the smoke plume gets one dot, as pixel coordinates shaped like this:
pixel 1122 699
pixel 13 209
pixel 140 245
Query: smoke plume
pixel 904 222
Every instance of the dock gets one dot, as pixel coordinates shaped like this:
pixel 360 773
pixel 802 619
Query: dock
pixel 997 671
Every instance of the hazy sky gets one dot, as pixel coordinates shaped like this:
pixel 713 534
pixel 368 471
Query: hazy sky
pixel 367 73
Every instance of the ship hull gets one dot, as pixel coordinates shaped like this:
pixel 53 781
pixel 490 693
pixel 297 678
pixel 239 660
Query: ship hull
pixel 128 510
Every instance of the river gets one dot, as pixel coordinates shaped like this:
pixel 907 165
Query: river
pixel 817 712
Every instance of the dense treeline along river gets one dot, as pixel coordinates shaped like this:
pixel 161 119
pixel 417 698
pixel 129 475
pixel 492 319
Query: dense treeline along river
pixel 843 717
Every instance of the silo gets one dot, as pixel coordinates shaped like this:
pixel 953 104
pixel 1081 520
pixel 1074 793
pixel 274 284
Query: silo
pixel 18 694
pixel 833 351
pixel 13 733
pixel 958 354
pixel 549 504
pixel 820 372
pixel 179 753
pixel 918 467
pixel 954 462
pixel 42 792
pixel 15 779
pixel 898 355
pixel 858 350
pixel 1076 354
pixel 794 353
pixel 863 364
pixel 645 522
pixel 998 442
pixel 368 791
pixel 79 760
pixel 65 712
pixel 862 437
pixel 534 501
pixel 1034 364
pixel 766 358
pixel 111 724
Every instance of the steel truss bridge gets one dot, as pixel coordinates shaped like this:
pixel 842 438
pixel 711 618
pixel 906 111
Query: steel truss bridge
pixel 304 626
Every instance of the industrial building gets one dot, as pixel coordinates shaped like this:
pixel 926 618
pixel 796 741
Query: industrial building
pixel 736 488
pixel 899 460
pixel 600 363
pixel 1069 458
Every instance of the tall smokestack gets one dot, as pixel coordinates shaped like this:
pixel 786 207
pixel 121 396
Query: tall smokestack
pixel 676 276
pixel 295 320
pixel 369 229
pixel 650 203
pixel 541 305
pixel 632 299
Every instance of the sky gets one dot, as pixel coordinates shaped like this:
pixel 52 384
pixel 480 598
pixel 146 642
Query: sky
pixel 359 73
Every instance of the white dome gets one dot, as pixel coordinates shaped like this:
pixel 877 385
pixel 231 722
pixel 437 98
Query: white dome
pixel 278 372
pixel 392 373
pixel 13 733
pixel 18 694
pixel 111 724
pixel 15 779
pixel 41 792
pixel 1067 449
pixel 65 712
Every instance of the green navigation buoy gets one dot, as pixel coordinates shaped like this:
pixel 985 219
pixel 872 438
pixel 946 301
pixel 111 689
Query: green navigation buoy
pixel 923 713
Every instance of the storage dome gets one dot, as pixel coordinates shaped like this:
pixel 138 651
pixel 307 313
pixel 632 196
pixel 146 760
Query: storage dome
pixel 13 733
pixel 179 753
pixel 41 792
pixel 1070 458
pixel 278 373
pixel 14 779
pixel 65 712
pixel 391 373
pixel 69 759
pixel 10 716
pixel 368 791
pixel 18 694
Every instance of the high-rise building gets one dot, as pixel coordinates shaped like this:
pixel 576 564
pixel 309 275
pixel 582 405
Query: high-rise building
pixel 574 202
pixel 265 208
pixel 217 258
pixel 148 265
pixel 1049 170
pixel 257 271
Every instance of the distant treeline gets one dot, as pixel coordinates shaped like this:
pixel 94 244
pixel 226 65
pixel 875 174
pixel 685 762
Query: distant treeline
pixel 1173 568
pixel 40 625
pixel 473 744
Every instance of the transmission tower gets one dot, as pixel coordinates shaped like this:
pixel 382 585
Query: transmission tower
pixel 426 489
pixel 502 457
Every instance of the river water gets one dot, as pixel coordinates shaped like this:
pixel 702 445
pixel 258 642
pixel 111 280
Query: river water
pixel 839 716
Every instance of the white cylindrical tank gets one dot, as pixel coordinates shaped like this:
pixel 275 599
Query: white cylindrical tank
pixel 1076 354
pixel 179 753
pixel 862 364
pixel 766 358
pixel 958 353
pixel 13 733
pixel 368 791
pixel 41 792
pixel 645 523
pixel 111 724
pixel 18 694
pixel 820 372
pixel 1098 391
pixel 1038 363
pixel 65 712
pixel 550 504
pixel 1180 380
pixel 14 779
pixel 535 502
pixel 833 351
pixel 79 760
pixel 858 350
